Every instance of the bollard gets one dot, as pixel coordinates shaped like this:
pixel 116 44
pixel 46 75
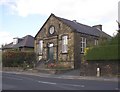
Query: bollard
pixel 98 72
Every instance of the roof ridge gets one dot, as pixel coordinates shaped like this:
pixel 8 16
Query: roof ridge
pixel 74 22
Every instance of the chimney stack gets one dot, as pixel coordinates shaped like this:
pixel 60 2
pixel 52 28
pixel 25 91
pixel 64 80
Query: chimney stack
pixel 75 21
pixel 15 40
pixel 99 27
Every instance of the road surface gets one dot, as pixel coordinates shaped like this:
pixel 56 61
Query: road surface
pixel 12 81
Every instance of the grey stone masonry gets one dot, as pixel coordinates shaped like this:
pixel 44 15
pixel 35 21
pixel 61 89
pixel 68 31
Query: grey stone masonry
pixel 63 27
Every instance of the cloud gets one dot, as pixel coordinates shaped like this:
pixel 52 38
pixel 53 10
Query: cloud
pixel 84 11
pixel 81 8
pixel 5 37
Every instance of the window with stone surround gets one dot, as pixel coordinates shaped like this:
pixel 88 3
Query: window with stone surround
pixel 64 44
pixel 83 44
pixel 40 46
pixel 96 42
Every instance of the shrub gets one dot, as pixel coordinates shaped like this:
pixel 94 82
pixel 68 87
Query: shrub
pixel 103 53
pixel 18 59
pixel 108 51
pixel 51 65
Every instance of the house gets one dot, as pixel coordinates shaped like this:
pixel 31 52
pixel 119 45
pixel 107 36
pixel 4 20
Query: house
pixel 63 40
pixel 20 44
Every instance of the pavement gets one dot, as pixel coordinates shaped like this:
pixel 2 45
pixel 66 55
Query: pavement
pixel 74 74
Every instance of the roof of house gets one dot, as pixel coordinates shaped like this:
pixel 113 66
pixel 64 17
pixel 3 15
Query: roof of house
pixel 78 27
pixel 85 29
pixel 27 41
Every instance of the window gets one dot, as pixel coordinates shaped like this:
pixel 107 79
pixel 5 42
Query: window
pixel 96 42
pixel 64 44
pixel 83 44
pixel 40 46
pixel 52 30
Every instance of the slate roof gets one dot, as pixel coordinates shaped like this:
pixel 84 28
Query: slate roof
pixel 85 29
pixel 27 41
pixel 78 27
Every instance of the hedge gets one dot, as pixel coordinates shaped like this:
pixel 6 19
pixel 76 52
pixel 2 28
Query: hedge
pixel 103 53
pixel 107 51
pixel 18 58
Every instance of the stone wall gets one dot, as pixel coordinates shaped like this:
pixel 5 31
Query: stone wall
pixel 74 38
pixel 77 46
pixel 60 30
pixel 107 68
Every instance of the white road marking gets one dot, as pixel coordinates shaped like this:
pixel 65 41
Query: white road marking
pixel 57 77
pixel 117 89
pixel 22 78
pixel 47 82
pixel 73 85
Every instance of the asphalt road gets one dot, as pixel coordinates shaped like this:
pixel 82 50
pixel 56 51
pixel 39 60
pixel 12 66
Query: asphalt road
pixel 11 81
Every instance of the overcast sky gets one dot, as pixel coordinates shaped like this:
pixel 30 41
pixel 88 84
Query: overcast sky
pixel 19 18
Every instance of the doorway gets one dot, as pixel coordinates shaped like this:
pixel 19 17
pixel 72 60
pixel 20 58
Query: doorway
pixel 50 52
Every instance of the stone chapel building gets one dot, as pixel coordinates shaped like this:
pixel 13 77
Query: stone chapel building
pixel 63 40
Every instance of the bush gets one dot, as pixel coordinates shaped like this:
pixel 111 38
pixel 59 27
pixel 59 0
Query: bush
pixel 103 53
pixel 108 51
pixel 18 59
